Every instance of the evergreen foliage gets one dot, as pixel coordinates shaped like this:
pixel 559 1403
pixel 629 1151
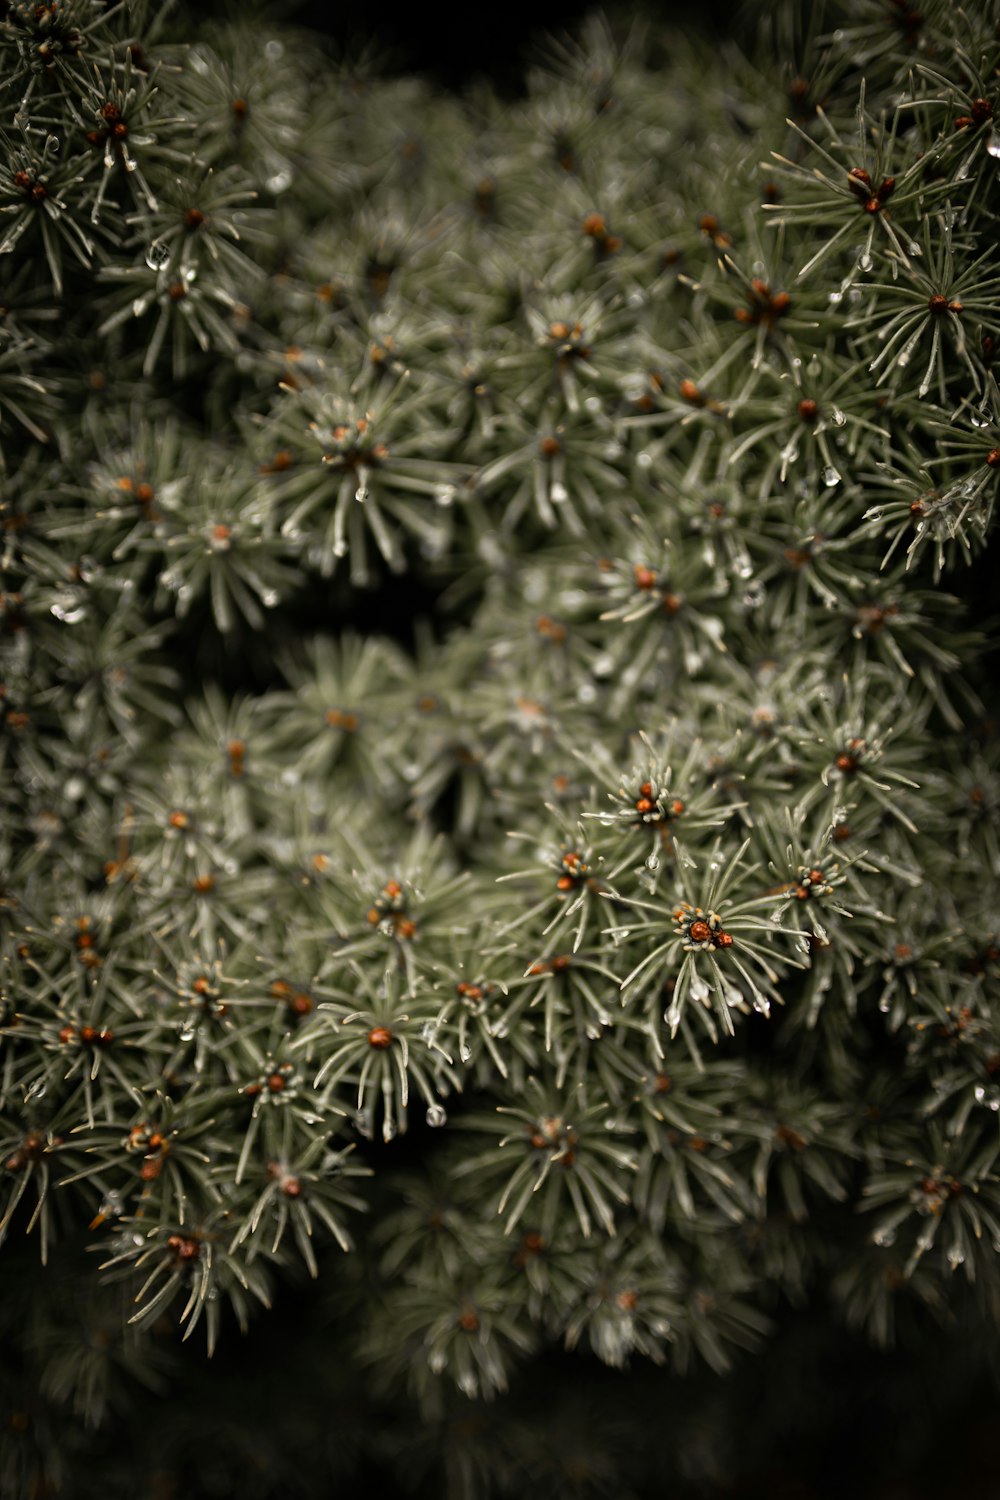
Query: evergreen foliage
pixel 494 643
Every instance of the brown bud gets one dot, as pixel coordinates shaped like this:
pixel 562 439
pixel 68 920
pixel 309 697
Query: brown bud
pixel 183 1247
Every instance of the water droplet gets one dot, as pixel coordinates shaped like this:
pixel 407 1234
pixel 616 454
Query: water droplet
pixel 884 1237
pixel 699 989
pixel 993 144
pixel 274 51
pixel 865 262
pixel 157 255
pixel 835 298
pixel 70 614
pixel 979 418
pixel 464 1051
pixel 269 598
pixel 956 1257
pixel 111 1205
pixel 653 862
pixel 989 1097
pixel 52 145
pixel 187 1031
pixel 446 495
pixel 388 1128
pixel 761 1004
pixel 814 366
pixel 644 458
pixel 837 417
pixel 436 1115
pixel 558 493
pixel 36 1090
pixel 754 596
pixel 831 476
pixel 279 181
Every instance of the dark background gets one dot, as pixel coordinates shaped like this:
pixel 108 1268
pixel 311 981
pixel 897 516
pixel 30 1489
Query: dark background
pixel 458 43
